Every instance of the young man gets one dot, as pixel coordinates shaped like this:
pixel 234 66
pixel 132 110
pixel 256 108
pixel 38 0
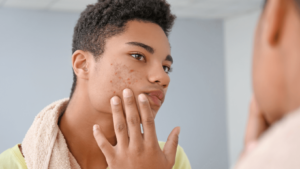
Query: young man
pixel 273 138
pixel 117 45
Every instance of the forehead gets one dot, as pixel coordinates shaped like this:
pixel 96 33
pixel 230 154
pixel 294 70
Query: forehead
pixel 144 32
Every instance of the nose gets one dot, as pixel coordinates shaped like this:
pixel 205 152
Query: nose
pixel 158 75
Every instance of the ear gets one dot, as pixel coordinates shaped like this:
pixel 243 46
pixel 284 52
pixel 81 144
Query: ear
pixel 80 64
pixel 274 16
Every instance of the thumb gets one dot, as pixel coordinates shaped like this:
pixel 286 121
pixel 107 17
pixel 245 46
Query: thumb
pixel 170 147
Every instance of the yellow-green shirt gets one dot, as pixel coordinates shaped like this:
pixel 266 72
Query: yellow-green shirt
pixel 13 159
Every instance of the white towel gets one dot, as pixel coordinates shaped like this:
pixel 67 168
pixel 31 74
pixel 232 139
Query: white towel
pixel 44 146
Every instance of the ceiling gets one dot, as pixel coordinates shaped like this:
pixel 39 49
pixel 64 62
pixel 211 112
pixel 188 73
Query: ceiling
pixel 206 9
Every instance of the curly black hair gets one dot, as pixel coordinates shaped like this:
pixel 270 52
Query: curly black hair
pixel 108 18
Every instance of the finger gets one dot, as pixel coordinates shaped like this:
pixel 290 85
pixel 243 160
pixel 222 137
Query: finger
pixel 132 117
pixel 147 120
pixel 171 145
pixel 103 143
pixel 120 125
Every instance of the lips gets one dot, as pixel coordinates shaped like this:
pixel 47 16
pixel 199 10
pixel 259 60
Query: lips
pixel 156 97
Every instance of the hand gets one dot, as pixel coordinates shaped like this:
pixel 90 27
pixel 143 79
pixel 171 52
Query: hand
pixel 256 126
pixel 135 150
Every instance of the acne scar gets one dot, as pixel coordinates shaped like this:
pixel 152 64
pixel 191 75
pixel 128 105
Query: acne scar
pixel 124 77
pixel 111 81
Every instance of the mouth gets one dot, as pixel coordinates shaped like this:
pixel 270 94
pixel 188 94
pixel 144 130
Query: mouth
pixel 156 97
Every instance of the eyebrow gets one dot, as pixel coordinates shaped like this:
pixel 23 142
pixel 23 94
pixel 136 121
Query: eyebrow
pixel 149 49
pixel 169 58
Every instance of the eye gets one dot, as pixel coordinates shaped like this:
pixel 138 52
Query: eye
pixel 167 69
pixel 138 56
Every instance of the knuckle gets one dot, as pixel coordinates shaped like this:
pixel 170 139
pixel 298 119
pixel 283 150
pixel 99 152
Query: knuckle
pixel 174 142
pixel 134 120
pixel 120 127
pixel 149 121
pixel 129 101
pixel 152 147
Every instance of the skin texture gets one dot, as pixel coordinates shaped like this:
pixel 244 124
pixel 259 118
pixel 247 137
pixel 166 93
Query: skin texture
pixel 99 80
pixel 276 68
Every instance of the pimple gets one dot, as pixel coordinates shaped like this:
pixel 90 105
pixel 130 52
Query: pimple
pixel 128 79
pixel 111 81
pixel 131 71
pixel 129 82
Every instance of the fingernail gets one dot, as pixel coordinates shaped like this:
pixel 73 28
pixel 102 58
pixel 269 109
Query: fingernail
pixel 127 93
pixel 142 98
pixel 115 101
pixel 95 127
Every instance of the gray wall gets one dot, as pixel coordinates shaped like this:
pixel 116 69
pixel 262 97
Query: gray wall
pixel 196 97
pixel 35 70
pixel 35 67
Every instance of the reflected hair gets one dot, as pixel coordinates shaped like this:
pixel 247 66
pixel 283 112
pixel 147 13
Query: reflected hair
pixel 297 2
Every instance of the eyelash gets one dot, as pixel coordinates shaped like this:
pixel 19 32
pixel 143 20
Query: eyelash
pixel 169 69
pixel 137 55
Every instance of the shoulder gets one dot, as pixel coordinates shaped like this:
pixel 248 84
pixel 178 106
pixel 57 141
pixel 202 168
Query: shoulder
pixel 181 161
pixel 12 159
pixel 278 148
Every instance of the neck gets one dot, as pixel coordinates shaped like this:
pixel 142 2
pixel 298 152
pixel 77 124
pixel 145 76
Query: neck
pixel 77 127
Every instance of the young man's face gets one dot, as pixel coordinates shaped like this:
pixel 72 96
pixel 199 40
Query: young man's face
pixel 139 59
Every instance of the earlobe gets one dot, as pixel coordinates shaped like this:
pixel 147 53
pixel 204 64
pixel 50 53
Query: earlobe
pixel 275 14
pixel 80 64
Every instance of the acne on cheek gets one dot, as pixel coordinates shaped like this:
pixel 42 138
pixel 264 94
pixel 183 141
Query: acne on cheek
pixel 123 77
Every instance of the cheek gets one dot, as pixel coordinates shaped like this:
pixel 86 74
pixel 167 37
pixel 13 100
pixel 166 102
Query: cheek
pixel 268 84
pixel 110 81
pixel 123 77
